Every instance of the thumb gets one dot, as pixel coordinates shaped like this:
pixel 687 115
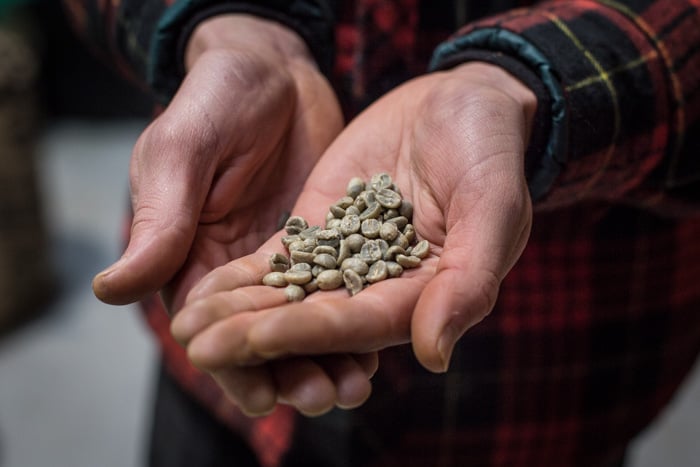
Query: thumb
pixel 167 197
pixel 474 261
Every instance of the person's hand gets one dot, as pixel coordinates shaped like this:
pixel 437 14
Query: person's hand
pixel 454 144
pixel 213 174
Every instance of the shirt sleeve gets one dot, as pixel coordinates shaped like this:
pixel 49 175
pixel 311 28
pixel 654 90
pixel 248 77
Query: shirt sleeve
pixel 620 81
pixel 145 39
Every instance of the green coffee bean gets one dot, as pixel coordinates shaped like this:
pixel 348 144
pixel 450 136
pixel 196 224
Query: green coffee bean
pixel 408 262
pixel 279 262
pixel 355 187
pixel 295 224
pixel 330 279
pixel 377 272
pixel 370 228
pixel 353 282
pixel 325 260
pixel 294 293
pixel 275 279
pixel 356 264
pixel 421 249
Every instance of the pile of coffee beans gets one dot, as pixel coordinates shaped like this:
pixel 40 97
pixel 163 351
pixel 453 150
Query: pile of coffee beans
pixel 368 237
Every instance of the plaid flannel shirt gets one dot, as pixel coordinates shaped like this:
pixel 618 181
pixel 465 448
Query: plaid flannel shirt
pixel 599 321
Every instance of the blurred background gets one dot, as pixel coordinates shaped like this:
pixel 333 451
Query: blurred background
pixel 76 376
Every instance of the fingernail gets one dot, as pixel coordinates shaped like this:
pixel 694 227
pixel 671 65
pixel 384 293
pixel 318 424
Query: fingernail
pixel 445 346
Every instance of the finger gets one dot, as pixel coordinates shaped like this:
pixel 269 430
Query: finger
pixel 350 378
pixel 246 271
pixel 197 316
pixel 304 384
pixel 171 173
pixel 375 318
pixel 252 389
pixel 474 261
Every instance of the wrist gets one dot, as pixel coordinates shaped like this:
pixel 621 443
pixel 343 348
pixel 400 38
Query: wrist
pixel 249 33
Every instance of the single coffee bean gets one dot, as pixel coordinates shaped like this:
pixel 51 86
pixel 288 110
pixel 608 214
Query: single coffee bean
pixel 330 279
pixel 294 293
pixel 337 211
pixel 329 250
pixel 355 242
pixel 352 211
pixel 355 186
pixel 408 262
pixel 372 211
pixel 380 181
pixel 406 209
pixel 401 241
pixel 295 224
pixel 325 260
pixel 299 256
pixel 345 202
pixel 393 269
pixel 370 252
pixel 389 231
pixel 400 222
pixel 350 224
pixel 410 233
pixel 421 249
pixel 301 267
pixel 279 262
pixel 343 251
pixel 370 228
pixel 310 287
pixel 388 198
pixel 298 277
pixel 333 224
pixel 275 279
pixel 377 272
pixel 356 264
pixel 353 282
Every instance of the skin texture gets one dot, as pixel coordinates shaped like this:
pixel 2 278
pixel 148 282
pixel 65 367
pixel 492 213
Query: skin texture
pixel 454 143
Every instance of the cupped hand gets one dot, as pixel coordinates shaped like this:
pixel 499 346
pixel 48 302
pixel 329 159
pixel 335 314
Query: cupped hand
pixel 213 174
pixel 454 143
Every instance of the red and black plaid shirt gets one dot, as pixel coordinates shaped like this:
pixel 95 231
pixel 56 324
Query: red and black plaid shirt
pixel 599 322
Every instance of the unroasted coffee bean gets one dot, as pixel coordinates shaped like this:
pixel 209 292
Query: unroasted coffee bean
pixel 380 181
pixel 299 256
pixel 330 279
pixel 355 187
pixel 356 264
pixel 343 251
pixel 355 242
pixel 297 277
pixel 333 224
pixel 390 214
pixel 294 293
pixel 352 211
pixel 329 250
pixel 408 262
pixel 388 198
pixel 275 279
pixel 421 249
pixel 289 239
pixel 310 287
pixel 316 270
pixel 401 241
pixel 295 224
pixel 345 202
pixel 406 209
pixel 372 211
pixel 389 231
pixel 353 281
pixel 329 237
pixel 325 260
pixel 377 272
pixel 400 221
pixel 301 267
pixel 279 262
pixel 370 228
pixel 392 251
pixel 370 252
pixel 350 224
pixel 309 233
pixel 393 269
pixel 410 233
pixel 337 211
